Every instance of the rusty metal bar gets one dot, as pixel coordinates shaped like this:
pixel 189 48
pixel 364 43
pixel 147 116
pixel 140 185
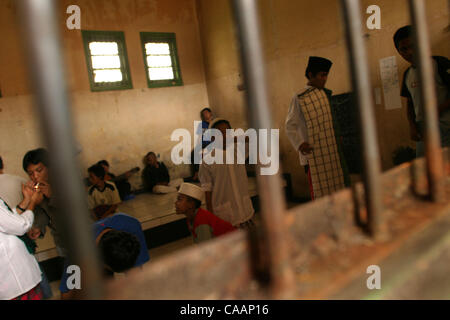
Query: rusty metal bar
pixel 361 84
pixel 428 99
pixel 273 241
pixel 220 268
pixel 44 57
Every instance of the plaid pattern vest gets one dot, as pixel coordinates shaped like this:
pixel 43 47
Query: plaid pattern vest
pixel 324 162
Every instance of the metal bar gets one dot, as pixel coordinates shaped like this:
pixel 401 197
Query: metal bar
pixel 273 242
pixel 220 269
pixel 40 32
pixel 433 152
pixel 361 84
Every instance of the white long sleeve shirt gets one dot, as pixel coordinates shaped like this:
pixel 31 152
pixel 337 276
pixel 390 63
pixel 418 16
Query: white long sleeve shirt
pixel 228 184
pixel 296 129
pixel 19 270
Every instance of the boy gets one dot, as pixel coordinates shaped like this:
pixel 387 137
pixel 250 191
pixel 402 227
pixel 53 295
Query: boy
pixel 204 140
pixel 203 224
pixel 226 185
pixel 311 131
pixel 121 181
pixel 156 176
pixel 411 91
pixel 103 197
pixel 122 246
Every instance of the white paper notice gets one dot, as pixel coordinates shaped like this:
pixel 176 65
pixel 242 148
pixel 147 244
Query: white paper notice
pixel 390 83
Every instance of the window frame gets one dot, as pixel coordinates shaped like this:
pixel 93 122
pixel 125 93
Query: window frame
pixel 113 36
pixel 170 38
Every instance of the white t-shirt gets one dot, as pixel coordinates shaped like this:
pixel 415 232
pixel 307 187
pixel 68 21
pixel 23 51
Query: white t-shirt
pixel 108 196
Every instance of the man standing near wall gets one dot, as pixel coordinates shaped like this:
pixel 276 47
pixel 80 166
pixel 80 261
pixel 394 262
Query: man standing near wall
pixel 312 132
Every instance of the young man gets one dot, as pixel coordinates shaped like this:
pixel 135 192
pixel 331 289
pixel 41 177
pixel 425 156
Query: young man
pixel 103 197
pixel 311 130
pixel 404 44
pixel 121 181
pixel 226 185
pixel 203 224
pixel 203 141
pixel 35 164
pixel 156 176
pixel 122 246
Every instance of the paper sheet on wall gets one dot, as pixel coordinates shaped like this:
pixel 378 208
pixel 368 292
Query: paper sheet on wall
pixel 390 83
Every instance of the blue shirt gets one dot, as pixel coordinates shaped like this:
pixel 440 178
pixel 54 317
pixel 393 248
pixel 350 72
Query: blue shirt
pixel 124 222
pixel 120 222
pixel 205 138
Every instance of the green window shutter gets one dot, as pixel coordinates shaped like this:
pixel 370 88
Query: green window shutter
pixel 162 66
pixel 107 60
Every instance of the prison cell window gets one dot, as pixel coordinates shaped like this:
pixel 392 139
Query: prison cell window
pixel 161 59
pixel 106 59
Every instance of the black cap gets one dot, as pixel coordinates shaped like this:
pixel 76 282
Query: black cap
pixel 318 64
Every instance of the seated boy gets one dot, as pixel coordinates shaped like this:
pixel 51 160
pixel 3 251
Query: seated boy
pixel 122 246
pixel 121 181
pixel 203 224
pixel 156 176
pixel 103 197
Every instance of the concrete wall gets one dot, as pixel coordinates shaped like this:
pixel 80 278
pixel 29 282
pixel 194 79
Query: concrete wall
pixel 120 126
pixel 294 30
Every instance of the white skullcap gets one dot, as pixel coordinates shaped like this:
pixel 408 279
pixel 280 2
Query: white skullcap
pixel 192 191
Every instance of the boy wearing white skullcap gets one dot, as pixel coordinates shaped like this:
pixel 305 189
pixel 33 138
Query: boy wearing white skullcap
pixel 203 224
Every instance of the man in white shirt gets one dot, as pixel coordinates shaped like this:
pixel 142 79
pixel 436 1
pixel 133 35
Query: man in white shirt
pixel 19 271
pixel 311 130
pixel 226 186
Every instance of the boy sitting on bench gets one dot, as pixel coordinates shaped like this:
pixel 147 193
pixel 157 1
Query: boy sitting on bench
pixel 103 197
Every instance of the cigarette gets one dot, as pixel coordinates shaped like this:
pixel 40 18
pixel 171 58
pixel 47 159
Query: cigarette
pixel 36 186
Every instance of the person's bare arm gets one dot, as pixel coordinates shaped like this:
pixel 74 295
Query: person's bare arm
pixel 31 198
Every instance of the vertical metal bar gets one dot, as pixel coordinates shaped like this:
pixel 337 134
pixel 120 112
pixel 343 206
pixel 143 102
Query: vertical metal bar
pixel 272 200
pixel 361 84
pixel 42 44
pixel 422 56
